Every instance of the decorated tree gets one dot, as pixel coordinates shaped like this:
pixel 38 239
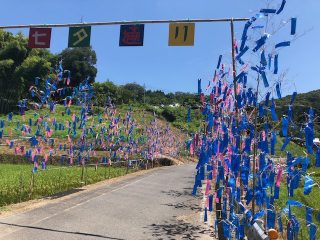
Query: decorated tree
pixel 243 150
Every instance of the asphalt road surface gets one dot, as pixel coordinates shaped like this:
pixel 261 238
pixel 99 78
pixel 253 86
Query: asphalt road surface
pixel 154 205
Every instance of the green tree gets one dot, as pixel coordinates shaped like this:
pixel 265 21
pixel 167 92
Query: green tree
pixel 31 67
pixel 81 62
pixel 105 89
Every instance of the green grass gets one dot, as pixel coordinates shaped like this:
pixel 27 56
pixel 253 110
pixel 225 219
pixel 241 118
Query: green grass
pixel 311 200
pixel 17 183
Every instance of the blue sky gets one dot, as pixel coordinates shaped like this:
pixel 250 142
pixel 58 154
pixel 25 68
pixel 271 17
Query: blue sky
pixel 157 65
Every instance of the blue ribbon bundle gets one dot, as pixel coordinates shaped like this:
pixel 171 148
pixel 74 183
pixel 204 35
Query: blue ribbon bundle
pixel 273 111
pixel 276 62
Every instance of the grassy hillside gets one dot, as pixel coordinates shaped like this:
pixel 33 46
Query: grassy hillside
pixel 19 181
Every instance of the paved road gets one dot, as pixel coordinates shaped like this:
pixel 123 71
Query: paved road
pixel 154 205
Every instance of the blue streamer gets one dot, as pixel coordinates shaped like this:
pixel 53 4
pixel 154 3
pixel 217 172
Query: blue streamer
pixel 262 161
pixel 257 27
pixel 249 195
pixel 293 97
pixel 286 142
pixel 278 90
pixel 258 215
pixel 276 58
pixel 273 142
pixel 189 115
pixel 285 124
pixel 199 86
pixel 281 7
pixel 205 215
pixel 266 102
pixel 210 202
pixel 268 10
pixel 260 42
pixel 309 135
pixel 289 113
pixel 308 184
pixel 283 44
pixel 243 51
pixel 261 110
pixel 276 192
pixel 294 203
pixel 264 78
pixel 240 76
pixel 245 30
pixel 273 111
pixel 219 61
pixel 263 59
pixel 243 43
pixel 269 61
pixel 313 232
pixel 280 225
pixel 271 219
pixel 293 26
pixel 318 157
pixel 309 215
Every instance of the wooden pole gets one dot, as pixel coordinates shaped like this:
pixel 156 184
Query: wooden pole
pixel 255 149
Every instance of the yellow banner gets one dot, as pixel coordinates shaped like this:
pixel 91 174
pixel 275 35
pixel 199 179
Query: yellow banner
pixel 181 34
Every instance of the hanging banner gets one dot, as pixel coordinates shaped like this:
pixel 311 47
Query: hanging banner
pixel 39 38
pixel 181 34
pixel 79 36
pixel 131 35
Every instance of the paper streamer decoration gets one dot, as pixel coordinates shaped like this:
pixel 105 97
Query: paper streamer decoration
pixel 283 44
pixel 293 26
pixel 199 86
pixel 276 64
pixel 281 7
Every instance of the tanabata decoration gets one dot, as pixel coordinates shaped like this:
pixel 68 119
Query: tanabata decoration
pixel 59 124
pixel 239 157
